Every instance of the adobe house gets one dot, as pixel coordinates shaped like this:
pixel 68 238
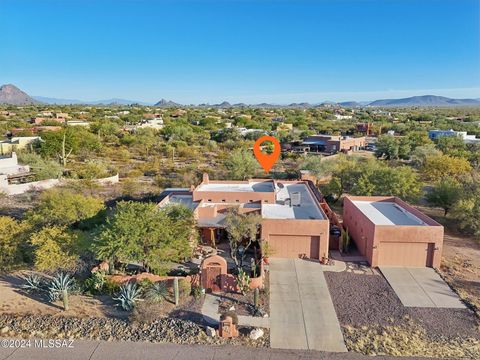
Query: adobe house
pixel 389 232
pixel 293 221
pixel 333 143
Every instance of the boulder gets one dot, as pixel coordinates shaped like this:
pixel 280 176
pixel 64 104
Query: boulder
pixel 211 332
pixel 256 334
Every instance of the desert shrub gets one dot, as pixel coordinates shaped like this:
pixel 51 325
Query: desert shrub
pixel 144 284
pixel 95 283
pixel 197 291
pixel 111 287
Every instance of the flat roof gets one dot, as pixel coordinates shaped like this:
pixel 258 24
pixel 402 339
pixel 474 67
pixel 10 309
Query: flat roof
pixel 307 210
pixel 387 213
pixel 265 186
pixel 186 200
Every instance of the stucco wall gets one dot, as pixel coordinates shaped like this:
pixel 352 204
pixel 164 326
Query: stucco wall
pixel 16 189
pixel 360 228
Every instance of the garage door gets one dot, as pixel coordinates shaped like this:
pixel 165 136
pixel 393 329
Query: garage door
pixel 294 246
pixel 404 254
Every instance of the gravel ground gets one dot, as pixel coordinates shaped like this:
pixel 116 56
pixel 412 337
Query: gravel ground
pixel 162 330
pixel 364 300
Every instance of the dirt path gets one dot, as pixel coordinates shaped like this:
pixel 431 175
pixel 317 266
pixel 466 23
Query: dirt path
pixel 14 300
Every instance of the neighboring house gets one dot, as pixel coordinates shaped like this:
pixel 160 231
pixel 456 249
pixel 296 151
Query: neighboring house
pixel 9 166
pixel 333 143
pixel 468 139
pixel 244 131
pixel 39 120
pixel 17 143
pixel 34 129
pixel 78 123
pixel 156 124
pixel 343 117
pixel 293 222
pixel 389 232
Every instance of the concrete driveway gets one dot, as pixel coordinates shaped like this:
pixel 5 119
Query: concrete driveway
pixel 421 287
pixel 302 315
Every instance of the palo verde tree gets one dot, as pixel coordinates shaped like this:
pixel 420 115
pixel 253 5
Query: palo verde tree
pixel 143 233
pixel 242 230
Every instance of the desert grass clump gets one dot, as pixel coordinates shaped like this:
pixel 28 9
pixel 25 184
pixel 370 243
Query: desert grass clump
pixel 408 340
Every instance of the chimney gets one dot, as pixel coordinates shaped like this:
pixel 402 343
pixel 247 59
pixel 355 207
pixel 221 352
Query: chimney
pixel 205 179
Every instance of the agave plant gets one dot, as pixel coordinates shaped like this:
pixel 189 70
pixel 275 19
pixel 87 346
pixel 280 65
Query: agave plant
pixel 128 295
pixel 157 292
pixel 59 288
pixel 33 283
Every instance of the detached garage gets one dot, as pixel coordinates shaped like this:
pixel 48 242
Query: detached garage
pixel 389 232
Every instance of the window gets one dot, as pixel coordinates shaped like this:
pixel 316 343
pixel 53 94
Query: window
pixel 209 200
pixel 250 200
pixel 266 201
pixel 223 200
pixel 237 200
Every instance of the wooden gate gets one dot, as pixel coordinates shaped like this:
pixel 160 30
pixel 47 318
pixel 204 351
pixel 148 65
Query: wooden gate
pixel 213 278
pixel 214 269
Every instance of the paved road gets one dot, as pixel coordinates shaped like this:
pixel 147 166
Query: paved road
pixel 421 287
pixel 96 350
pixel 302 315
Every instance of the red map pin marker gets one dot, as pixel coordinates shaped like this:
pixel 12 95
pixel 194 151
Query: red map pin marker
pixel 266 160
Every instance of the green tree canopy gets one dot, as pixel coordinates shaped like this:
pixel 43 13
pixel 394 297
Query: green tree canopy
pixel 55 248
pixel 12 233
pixel 445 194
pixel 143 233
pixel 63 207
pixel 241 164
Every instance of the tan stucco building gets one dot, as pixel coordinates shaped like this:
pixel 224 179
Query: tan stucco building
pixel 389 232
pixel 293 222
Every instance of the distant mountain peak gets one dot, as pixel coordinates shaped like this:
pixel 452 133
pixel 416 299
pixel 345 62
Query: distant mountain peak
pixel 166 103
pixel 425 100
pixel 12 95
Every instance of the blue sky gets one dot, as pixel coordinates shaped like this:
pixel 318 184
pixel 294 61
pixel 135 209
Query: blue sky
pixel 240 50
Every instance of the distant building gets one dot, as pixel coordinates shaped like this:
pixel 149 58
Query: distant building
pixel 34 129
pixel 78 123
pixel 283 126
pixel 17 143
pixel 156 123
pixel 333 143
pixel 9 166
pixel 39 120
pixel 343 117
pixel 468 139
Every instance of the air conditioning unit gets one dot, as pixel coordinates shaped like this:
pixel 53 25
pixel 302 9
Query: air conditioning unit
pixel 296 198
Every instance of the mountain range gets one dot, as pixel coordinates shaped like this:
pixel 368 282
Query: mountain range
pixel 10 94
